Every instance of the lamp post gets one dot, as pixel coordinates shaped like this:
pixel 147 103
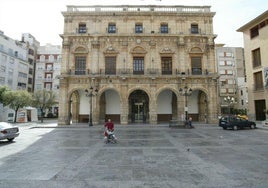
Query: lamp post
pixel 185 92
pixel 91 93
pixel 229 100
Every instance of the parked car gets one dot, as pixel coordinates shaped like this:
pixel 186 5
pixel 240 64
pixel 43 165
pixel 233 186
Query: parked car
pixel 235 122
pixel 8 131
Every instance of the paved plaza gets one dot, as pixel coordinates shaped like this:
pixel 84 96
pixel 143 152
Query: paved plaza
pixel 146 156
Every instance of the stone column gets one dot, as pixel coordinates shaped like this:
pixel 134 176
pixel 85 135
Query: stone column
pixel 213 102
pixel 124 105
pixel 95 110
pixel 64 104
pixel 180 107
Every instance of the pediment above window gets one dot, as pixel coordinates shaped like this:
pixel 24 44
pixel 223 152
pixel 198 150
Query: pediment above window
pixel 166 50
pixel 80 50
pixel 138 50
pixel 195 50
pixel 110 50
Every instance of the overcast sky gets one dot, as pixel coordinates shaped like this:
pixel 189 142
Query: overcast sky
pixel 43 18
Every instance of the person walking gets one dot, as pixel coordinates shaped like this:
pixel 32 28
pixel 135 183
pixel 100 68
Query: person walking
pixel 190 122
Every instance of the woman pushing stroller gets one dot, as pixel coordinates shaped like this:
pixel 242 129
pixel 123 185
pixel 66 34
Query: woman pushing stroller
pixel 109 132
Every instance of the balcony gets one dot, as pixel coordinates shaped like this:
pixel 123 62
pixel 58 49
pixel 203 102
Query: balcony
pixel 143 73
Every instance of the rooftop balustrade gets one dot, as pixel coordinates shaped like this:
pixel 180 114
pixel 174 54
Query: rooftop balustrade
pixel 139 8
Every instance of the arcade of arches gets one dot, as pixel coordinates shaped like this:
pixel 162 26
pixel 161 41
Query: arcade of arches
pixel 139 104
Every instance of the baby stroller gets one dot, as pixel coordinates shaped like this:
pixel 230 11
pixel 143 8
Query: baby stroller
pixel 109 137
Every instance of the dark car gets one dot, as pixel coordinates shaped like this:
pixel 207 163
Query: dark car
pixel 8 131
pixel 235 122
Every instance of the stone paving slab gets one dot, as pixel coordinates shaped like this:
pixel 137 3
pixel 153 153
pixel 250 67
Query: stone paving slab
pixel 145 156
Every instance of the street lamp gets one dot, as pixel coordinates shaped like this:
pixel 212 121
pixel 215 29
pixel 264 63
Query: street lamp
pixel 91 93
pixel 229 100
pixel 185 92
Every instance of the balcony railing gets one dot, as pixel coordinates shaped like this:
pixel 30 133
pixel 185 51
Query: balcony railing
pixel 132 73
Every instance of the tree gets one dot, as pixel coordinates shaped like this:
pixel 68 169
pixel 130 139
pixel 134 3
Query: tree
pixel 44 99
pixel 16 100
pixel 3 89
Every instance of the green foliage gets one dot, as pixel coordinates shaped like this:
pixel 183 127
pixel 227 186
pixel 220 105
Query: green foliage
pixel 3 89
pixel 44 99
pixel 16 99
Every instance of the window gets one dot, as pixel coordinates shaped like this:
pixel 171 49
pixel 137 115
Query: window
pixel 3 68
pixel 138 28
pixel 11 60
pixel 194 29
pixel 30 81
pixel 48 86
pixel 229 72
pixel 166 63
pixel 110 65
pixel 164 28
pixel 256 57
pixel 258 81
pixel 80 65
pixel 228 54
pixel 31 52
pixel 4 58
pixel 2 80
pixel 49 67
pixel 196 65
pixel 22 75
pixel 111 28
pixel 229 63
pixel 254 32
pixel 82 28
pixel 138 65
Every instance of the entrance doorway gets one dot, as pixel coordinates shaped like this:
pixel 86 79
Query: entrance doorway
pixel 138 107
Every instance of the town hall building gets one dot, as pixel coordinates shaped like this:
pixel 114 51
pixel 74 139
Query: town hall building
pixel 138 64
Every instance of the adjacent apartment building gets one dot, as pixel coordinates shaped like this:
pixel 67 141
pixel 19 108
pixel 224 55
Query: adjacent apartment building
pixel 255 34
pixel 14 68
pixel 136 64
pixel 232 80
pixel 32 45
pixel 48 65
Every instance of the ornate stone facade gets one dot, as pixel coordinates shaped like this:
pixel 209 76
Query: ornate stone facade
pixel 138 58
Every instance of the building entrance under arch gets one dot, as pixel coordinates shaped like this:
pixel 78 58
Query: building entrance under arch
pixel 138 107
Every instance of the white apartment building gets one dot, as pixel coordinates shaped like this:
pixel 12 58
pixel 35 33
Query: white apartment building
pixel 32 46
pixel 13 67
pixel 48 70
pixel 232 81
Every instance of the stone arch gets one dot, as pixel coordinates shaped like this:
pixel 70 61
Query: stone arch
pixel 167 98
pixel 174 90
pixel 200 95
pixel 138 105
pixel 140 88
pixel 109 102
pixel 73 105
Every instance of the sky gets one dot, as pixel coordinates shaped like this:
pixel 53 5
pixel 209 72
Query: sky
pixel 43 18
